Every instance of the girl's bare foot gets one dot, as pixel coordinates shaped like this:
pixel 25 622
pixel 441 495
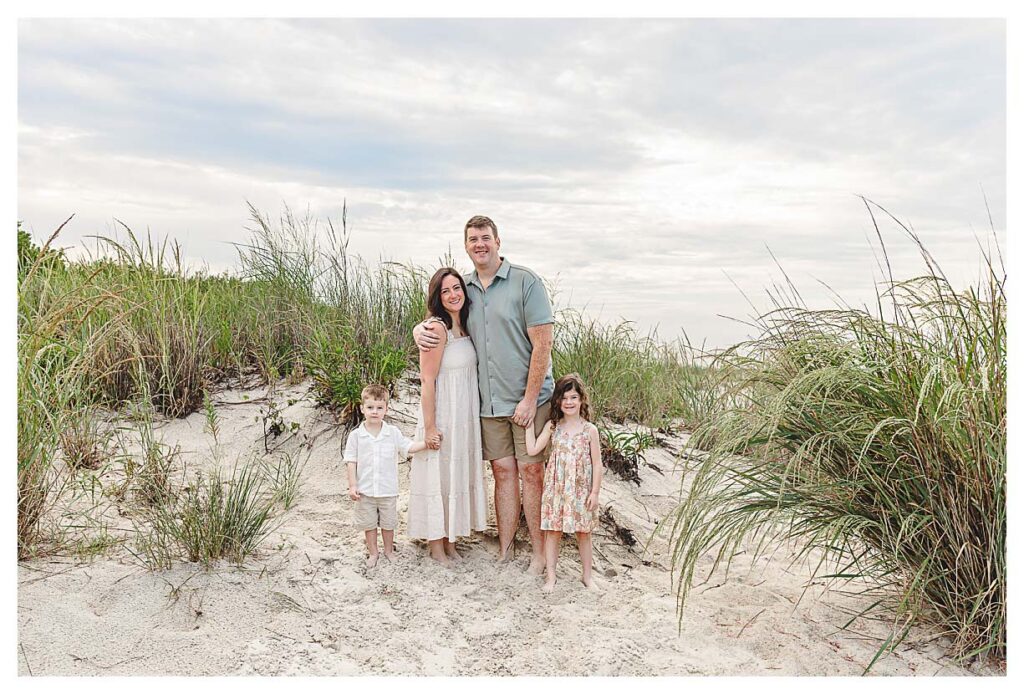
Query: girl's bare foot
pixel 587 581
pixel 371 561
pixel 549 585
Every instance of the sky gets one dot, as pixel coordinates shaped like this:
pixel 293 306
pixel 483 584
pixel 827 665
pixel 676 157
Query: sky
pixel 661 171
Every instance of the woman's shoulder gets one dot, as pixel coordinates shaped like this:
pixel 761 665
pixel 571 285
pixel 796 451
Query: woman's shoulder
pixel 438 326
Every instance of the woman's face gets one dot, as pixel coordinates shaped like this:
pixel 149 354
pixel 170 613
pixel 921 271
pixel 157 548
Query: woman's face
pixel 452 296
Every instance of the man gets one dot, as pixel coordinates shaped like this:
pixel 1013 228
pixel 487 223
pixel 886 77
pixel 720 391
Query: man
pixel 510 321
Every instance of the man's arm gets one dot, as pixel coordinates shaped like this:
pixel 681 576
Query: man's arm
pixel 541 338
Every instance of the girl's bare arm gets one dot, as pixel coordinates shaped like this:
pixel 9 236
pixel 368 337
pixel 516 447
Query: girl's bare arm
pixel 536 444
pixel 595 457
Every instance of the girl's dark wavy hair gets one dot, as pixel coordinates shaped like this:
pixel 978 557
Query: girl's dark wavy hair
pixel 436 308
pixel 564 385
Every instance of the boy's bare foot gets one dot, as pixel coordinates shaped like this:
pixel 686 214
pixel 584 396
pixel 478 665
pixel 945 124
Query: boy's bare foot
pixel 390 556
pixel 371 561
pixel 536 567
pixel 549 585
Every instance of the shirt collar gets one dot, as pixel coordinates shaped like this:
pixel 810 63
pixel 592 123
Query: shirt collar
pixel 362 428
pixel 502 272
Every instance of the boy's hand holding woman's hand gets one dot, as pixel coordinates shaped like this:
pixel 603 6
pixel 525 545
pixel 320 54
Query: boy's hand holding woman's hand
pixel 433 438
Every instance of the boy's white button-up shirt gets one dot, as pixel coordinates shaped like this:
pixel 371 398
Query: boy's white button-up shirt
pixel 376 458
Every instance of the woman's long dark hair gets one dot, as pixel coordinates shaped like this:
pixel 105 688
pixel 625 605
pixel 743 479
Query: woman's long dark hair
pixel 564 385
pixel 436 308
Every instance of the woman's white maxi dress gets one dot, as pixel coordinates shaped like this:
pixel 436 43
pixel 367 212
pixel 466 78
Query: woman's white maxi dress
pixel 446 486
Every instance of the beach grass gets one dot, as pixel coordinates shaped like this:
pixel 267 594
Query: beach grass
pixel 875 440
pixel 131 328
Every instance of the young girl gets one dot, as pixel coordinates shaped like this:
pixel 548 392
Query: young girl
pixel 572 478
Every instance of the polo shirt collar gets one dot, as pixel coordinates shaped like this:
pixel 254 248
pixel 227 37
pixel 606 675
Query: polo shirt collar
pixel 502 272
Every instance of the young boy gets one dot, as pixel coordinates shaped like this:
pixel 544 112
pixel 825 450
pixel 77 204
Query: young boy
pixel 371 455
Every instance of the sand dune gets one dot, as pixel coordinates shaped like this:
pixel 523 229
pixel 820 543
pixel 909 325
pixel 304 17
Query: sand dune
pixel 306 605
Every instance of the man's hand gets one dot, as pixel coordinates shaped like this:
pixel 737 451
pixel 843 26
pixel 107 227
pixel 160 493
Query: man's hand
pixel 353 493
pixel 427 335
pixel 525 412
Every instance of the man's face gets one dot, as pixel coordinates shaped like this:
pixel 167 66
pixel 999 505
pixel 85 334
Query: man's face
pixel 374 410
pixel 482 247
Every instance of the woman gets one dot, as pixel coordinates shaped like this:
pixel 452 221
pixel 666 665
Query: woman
pixel 446 486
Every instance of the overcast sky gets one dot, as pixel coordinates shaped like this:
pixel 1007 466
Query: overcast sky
pixel 644 166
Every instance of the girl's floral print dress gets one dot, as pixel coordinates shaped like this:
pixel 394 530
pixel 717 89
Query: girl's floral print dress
pixel 568 478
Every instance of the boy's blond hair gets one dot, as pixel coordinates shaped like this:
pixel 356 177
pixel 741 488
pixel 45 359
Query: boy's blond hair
pixel 374 391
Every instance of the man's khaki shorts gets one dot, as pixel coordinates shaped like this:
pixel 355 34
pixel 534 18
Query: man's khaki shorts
pixel 376 512
pixel 502 438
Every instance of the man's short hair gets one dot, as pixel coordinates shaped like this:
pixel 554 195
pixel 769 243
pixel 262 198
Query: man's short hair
pixel 374 391
pixel 479 222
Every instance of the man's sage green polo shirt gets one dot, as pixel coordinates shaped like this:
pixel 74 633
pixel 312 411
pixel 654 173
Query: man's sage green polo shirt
pixel 498 319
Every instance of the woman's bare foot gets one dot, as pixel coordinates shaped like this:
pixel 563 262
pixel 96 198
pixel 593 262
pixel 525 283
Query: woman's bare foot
pixel 549 585
pixel 452 554
pixel 441 558
pixel 371 561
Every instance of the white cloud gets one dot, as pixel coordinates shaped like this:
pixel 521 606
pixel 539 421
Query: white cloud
pixel 637 161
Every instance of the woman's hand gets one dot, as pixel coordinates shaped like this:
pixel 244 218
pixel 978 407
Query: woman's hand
pixel 433 438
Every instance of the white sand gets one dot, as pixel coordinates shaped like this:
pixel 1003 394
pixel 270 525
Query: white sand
pixel 306 605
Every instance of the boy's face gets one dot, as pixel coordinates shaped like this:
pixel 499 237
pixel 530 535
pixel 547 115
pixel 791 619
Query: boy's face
pixel 374 410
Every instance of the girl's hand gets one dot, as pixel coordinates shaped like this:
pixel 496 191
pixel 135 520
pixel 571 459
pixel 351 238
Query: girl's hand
pixel 353 493
pixel 592 501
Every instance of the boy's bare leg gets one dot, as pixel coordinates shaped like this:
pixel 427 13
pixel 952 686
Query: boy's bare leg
pixel 533 490
pixel 506 502
pixel 389 542
pixel 584 540
pixel 371 547
pixel 552 540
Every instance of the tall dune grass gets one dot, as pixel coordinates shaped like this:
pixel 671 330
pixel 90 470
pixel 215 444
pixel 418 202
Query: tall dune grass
pixel 135 329
pixel 876 440
pixel 632 377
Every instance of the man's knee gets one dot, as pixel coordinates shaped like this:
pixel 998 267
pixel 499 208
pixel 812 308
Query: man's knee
pixel 504 470
pixel 532 473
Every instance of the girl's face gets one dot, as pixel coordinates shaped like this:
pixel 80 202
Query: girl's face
pixel 570 403
pixel 452 296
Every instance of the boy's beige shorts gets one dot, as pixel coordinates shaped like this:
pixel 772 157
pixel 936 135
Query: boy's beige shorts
pixel 376 512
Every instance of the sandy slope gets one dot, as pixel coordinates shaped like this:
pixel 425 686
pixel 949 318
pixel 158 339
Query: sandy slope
pixel 307 605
